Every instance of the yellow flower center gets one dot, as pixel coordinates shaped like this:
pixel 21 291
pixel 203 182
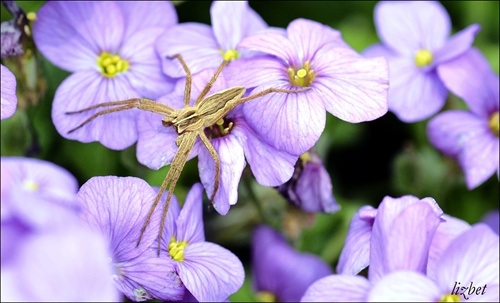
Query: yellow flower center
pixel 176 249
pixel 303 76
pixel 30 185
pixel 450 298
pixel 111 64
pixel 265 296
pixel 230 54
pixel 219 129
pixel 423 58
pixel 305 158
pixel 494 124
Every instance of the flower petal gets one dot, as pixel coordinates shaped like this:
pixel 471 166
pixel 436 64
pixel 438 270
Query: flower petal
pixel 355 255
pixel 457 45
pixel 9 98
pixel 232 162
pixel 379 50
pixel 210 272
pixel 353 88
pixel 405 286
pixel 252 72
pixel 414 95
pixel 288 122
pixel 447 232
pixel 338 288
pixel 473 256
pixel 469 77
pixel 146 14
pixel 40 185
pixel 309 37
pixel 259 154
pixel 190 221
pixel 72 35
pixel 118 206
pixel 233 21
pixel 463 135
pixel 145 73
pixel 149 277
pixel 69 265
pixel 407 27
pixel 86 88
pixel 274 44
pixel 492 219
pixel 402 234
pixel 195 42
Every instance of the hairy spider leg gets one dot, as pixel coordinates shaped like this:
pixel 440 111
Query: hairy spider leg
pixel 208 87
pixel 187 89
pixel 186 144
pixel 215 156
pixel 143 104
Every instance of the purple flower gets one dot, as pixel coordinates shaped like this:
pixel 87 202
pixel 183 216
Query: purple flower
pixel 310 187
pixel 415 41
pixel 471 260
pixel 9 98
pixel 234 142
pixel 471 137
pixel 47 255
pixel 492 220
pixel 203 46
pixel 380 238
pixel 279 271
pixel 63 265
pixel 209 272
pixel 11 36
pixel 109 48
pixel 308 55
pixel 117 207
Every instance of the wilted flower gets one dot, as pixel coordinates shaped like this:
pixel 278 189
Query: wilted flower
pixel 233 140
pixel 117 207
pixel 309 55
pixel 415 42
pixel 209 272
pixel 47 255
pixel 310 187
pixel 109 48
pixel 202 46
pixel 9 98
pixel 471 137
pixel 280 273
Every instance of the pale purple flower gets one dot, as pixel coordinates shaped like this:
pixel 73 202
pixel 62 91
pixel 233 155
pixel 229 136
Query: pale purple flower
pixel 11 31
pixel 47 255
pixel 310 187
pixel 415 40
pixel 203 46
pixel 69 264
pixel 471 137
pixel 279 271
pixel 209 272
pixel 109 48
pixel 309 55
pixel 234 142
pixel 8 94
pixel 117 207
pixel 472 259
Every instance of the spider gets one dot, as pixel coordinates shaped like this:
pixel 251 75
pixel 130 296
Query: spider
pixel 189 122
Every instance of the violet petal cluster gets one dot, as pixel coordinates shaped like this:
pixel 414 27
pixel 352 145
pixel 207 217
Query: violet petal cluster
pixel 313 58
pixel 47 255
pixel 109 49
pixel 415 41
pixel 470 136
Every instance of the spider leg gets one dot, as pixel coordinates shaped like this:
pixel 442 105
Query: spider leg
pixel 143 104
pixel 208 87
pixel 215 156
pixel 271 90
pixel 187 90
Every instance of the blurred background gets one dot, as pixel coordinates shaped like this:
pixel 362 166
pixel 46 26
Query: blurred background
pixel 366 161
